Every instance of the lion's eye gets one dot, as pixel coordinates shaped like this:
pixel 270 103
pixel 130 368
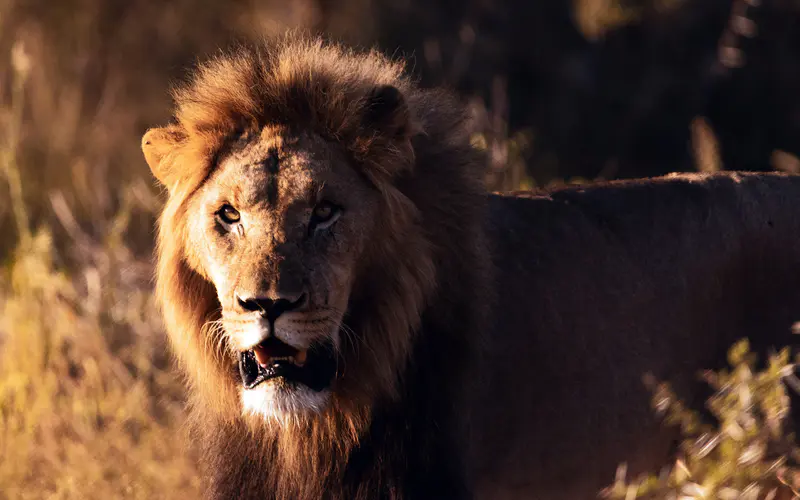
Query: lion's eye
pixel 228 214
pixel 325 214
pixel 323 211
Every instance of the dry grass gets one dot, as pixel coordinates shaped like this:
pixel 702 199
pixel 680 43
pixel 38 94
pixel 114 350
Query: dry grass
pixel 87 409
pixel 88 405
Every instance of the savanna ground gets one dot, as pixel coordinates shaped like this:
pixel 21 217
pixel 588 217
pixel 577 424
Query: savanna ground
pixel 89 405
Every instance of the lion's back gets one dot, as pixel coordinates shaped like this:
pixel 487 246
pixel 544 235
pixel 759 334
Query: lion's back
pixel 598 285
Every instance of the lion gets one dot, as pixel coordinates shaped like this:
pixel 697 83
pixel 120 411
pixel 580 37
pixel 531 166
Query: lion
pixel 357 318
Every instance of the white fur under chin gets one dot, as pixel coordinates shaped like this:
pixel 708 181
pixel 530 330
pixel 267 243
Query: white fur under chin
pixel 276 402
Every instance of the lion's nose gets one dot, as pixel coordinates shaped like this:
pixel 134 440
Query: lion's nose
pixel 270 308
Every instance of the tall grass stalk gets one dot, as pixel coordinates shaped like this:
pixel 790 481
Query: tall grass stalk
pixel 21 68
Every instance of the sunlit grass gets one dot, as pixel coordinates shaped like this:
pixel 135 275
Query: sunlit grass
pixel 88 405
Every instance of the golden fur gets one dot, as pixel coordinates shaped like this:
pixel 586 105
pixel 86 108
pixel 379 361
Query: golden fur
pixel 494 344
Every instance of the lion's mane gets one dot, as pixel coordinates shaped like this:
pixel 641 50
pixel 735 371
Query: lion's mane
pixel 420 159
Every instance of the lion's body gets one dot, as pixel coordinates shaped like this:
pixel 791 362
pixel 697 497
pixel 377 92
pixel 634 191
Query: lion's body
pixel 601 284
pixel 487 347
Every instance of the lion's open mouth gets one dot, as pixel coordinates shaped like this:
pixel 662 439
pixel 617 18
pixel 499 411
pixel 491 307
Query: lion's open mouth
pixel 272 359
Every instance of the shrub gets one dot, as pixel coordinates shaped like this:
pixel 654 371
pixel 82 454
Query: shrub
pixel 747 455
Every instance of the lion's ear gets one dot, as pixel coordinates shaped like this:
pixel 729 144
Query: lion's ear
pixel 157 143
pixel 387 111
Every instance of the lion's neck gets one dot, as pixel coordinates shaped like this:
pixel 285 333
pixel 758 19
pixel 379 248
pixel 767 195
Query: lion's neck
pixel 297 459
pixel 388 452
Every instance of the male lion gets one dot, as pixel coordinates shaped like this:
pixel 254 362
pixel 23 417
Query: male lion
pixel 357 318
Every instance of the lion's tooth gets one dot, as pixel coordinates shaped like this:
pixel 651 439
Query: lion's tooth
pixel 300 358
pixel 261 356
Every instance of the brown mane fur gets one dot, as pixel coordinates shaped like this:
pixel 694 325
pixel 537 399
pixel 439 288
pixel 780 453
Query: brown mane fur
pixel 308 85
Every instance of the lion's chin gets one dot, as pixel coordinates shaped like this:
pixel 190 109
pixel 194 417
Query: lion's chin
pixel 280 401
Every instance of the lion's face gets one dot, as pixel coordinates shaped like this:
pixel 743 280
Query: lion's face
pixel 278 228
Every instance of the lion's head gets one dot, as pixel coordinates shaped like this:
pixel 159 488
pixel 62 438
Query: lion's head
pixel 296 250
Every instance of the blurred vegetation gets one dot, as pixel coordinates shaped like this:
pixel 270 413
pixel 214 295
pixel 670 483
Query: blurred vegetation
pixel 561 91
pixel 88 406
pixel 749 454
